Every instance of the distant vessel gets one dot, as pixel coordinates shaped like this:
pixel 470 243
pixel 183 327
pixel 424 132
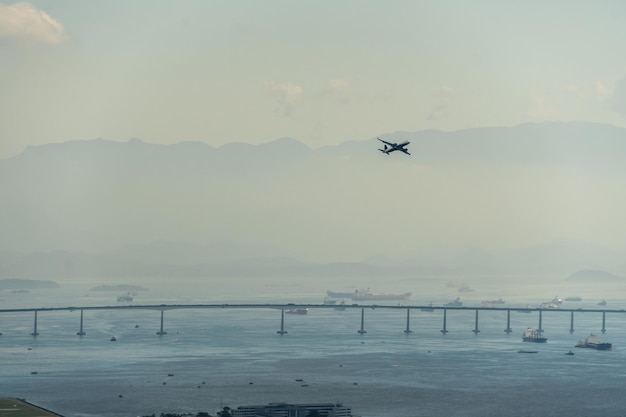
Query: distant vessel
pixel 297 311
pixel 573 299
pixel 125 298
pixel 602 303
pixel 593 342
pixel 335 294
pixel 465 288
pixel 456 303
pixel 526 351
pixel 489 302
pixel 365 295
pixel 532 335
pixel 557 300
pixel 328 301
pixel 553 304
pixel 113 339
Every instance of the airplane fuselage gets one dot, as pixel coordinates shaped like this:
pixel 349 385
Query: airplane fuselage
pixel 391 147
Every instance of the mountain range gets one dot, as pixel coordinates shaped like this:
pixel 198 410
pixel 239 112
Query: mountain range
pixel 543 197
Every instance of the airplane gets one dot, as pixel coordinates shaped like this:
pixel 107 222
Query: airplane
pixel 390 147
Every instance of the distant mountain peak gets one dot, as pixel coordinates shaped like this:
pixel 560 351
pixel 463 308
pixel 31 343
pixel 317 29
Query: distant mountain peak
pixel 594 275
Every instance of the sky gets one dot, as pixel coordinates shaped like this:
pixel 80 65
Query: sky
pixel 322 72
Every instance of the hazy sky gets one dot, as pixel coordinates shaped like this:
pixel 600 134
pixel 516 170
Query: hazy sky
pixel 319 71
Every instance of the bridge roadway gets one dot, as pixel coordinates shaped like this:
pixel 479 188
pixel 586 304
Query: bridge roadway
pixel 292 306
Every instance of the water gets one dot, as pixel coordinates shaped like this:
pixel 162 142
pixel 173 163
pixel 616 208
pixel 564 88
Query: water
pixel 215 358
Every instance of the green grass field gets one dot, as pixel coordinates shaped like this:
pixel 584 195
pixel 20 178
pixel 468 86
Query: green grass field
pixel 11 407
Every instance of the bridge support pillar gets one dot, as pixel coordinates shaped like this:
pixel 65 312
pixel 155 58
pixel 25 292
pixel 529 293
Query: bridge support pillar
pixel 603 321
pixel 571 322
pixel 476 331
pixel 161 332
pixel 81 332
pixel 282 323
pixel 444 330
pixel 35 332
pixel 362 329
pixel 408 318
pixel 508 322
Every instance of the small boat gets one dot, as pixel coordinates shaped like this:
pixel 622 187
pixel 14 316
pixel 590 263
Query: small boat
pixel 490 302
pixel 570 353
pixel 602 303
pixel 125 298
pixel 552 304
pixel 300 311
pixel 532 335
pixel 593 342
pixel 557 300
pixel 526 351
pixel 113 339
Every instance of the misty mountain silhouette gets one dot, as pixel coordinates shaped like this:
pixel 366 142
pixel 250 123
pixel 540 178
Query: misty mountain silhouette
pixel 592 275
pixel 114 208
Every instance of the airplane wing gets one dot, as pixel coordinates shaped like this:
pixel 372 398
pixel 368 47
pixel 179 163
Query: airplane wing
pixel 387 143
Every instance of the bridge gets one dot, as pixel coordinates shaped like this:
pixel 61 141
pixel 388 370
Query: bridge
pixel 291 306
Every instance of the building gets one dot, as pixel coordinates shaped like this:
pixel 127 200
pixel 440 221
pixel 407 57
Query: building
pixel 293 410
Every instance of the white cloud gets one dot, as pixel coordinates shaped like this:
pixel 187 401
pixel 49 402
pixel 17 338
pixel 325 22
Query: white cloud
pixel 575 90
pixel 22 22
pixel 602 91
pixel 443 97
pixel 539 110
pixel 286 95
pixel 618 98
pixel 338 90
pixel 438 112
pixel 445 91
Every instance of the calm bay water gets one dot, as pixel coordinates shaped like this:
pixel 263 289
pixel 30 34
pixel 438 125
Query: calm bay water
pixel 215 358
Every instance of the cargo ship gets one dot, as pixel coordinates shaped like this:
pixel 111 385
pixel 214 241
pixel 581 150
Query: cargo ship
pixel 532 335
pixel 365 295
pixel 593 342
pixel 336 294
